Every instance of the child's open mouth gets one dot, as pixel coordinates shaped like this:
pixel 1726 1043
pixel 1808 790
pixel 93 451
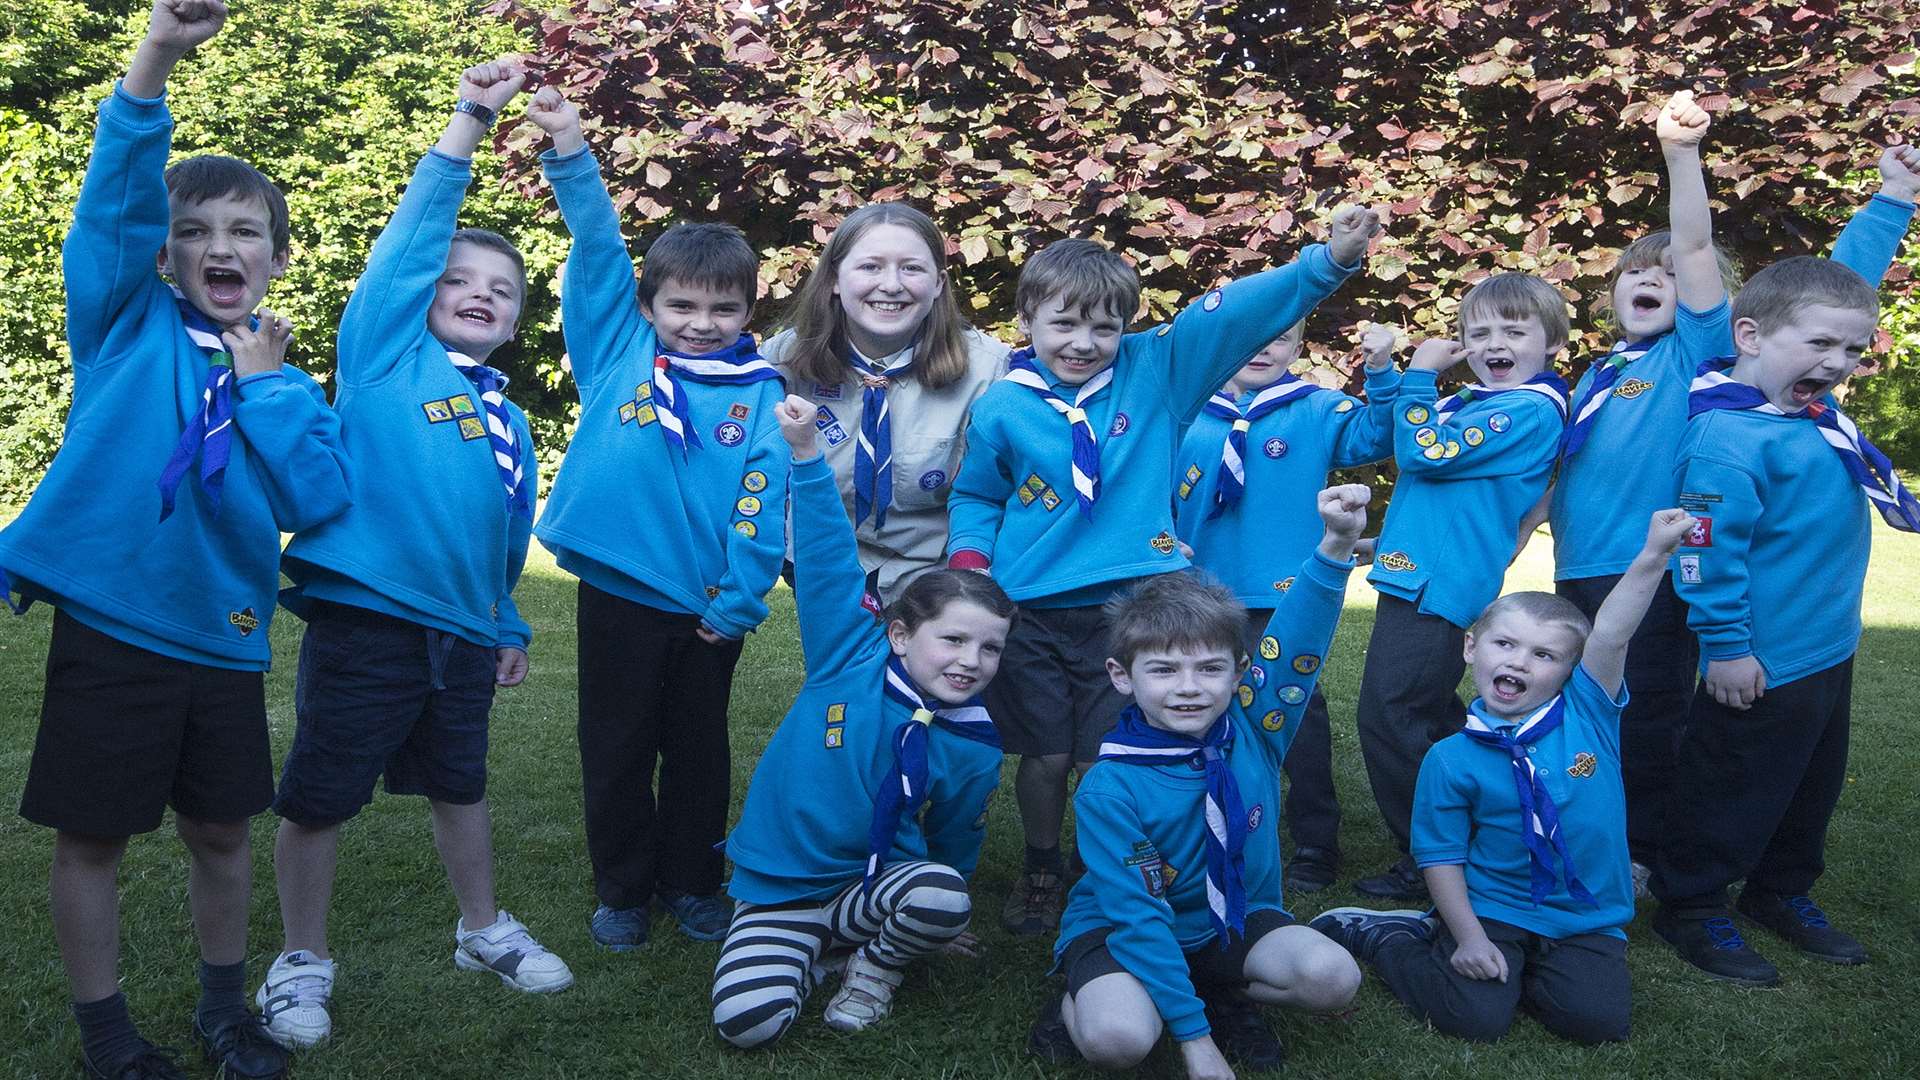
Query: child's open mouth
pixel 480 316
pixel 961 683
pixel 225 288
pixel 1807 391
pixel 1646 304
pixel 1500 367
pixel 1508 689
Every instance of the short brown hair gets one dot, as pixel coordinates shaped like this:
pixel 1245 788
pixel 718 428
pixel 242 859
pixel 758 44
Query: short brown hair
pixel 1081 274
pixel 1783 290
pixel 1189 609
pixel 493 241
pixel 1650 251
pixel 709 254
pixel 1541 607
pixel 1519 296
pixel 820 324
pixel 212 176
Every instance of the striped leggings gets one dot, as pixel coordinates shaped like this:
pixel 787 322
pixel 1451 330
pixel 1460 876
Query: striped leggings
pixel 771 959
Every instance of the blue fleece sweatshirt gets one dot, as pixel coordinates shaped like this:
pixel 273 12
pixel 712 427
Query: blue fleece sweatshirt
pixel 1455 515
pixel 1013 501
pixel 803 832
pixel 1141 829
pixel 1276 523
pixel 430 537
pixel 698 533
pixel 198 586
pixel 1607 491
pixel 1778 565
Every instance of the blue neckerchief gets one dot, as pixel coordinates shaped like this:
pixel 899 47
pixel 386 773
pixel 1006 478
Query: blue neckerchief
pixel 906 789
pixel 1606 372
pixel 873 451
pixel 1133 741
pixel 1713 389
pixel 1546 384
pixel 1539 817
pixel 1086 448
pixel 737 364
pixel 209 433
pixel 490 385
pixel 1233 453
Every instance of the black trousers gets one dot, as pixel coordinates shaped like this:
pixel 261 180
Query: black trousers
pixel 1408 702
pixel 1577 987
pixel 651 692
pixel 1758 789
pixel 1312 806
pixel 1663 660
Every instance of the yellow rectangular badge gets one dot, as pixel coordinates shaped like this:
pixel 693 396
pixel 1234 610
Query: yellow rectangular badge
pixel 471 428
pixel 643 391
pixel 626 412
pixel 644 415
pixel 437 411
pixel 462 405
pixel 1049 500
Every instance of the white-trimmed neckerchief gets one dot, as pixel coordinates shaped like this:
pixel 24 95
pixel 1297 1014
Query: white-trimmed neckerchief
pixel 1539 817
pixel 208 435
pixel 905 790
pixel 1606 371
pixel 1022 370
pixel 502 439
pixel 873 449
pixel 1232 481
pixel 1546 384
pixel 736 364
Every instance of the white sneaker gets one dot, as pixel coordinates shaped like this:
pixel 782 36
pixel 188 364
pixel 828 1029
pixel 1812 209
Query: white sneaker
pixel 509 951
pixel 865 996
pixel 294 1000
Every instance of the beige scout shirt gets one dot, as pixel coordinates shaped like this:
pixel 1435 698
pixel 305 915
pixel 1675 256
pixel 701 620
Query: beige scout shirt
pixel 929 428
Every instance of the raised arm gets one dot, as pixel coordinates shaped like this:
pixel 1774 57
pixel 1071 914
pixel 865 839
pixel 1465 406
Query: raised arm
pixel 1605 656
pixel 177 28
pixel 1696 269
pixel 829 587
pixel 1872 237
pixel 1366 435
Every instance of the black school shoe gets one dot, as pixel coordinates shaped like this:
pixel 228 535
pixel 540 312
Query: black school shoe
pixel 242 1050
pixel 1799 920
pixel 1714 946
pixel 1311 869
pixel 1049 1040
pixel 153 1063
pixel 1243 1035
pixel 1401 881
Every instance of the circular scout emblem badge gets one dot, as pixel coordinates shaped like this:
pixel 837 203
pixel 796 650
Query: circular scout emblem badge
pixel 1306 663
pixel 1212 301
pixel 1474 436
pixel 749 506
pixel 755 481
pixel 1270 648
pixel 1258 674
pixel 1426 436
pixel 1499 422
pixel 1120 423
pixel 1276 448
pixel 1417 415
pixel 747 529
pixel 1292 695
pixel 1434 452
pixel 932 479
pixel 729 433
pixel 1453 448
pixel 1344 406
pixel 1246 695
pixel 1254 816
pixel 1274 720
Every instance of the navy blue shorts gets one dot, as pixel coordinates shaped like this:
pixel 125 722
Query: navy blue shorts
pixel 377 694
pixel 1210 967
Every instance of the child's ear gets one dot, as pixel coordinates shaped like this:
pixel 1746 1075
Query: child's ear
pixel 1026 331
pixel 280 260
pixel 160 262
pixel 1746 337
pixel 1122 681
pixel 897 635
pixel 1466 650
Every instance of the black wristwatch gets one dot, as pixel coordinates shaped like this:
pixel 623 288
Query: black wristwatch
pixel 476 110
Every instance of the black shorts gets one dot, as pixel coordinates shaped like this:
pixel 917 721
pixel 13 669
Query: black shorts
pixel 1052 695
pixel 380 695
pixel 1086 957
pixel 126 733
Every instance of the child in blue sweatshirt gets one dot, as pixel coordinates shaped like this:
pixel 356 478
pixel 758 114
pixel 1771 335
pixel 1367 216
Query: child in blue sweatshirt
pixel 1178 921
pixel 1772 575
pixel 162 592
pixel 1519 826
pixel 405 641
pixel 1063 495
pixel 1244 486
pixel 669 510
pixel 1471 465
pixel 867 811
pixel 1669 299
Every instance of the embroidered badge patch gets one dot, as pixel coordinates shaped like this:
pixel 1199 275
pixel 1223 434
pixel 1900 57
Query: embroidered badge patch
pixel 1434 452
pixel 1119 426
pixel 1306 663
pixel 1258 674
pixel 825 392
pixel 713 591
pixel 729 433
pixel 829 426
pixel 1582 766
pixel 1346 405
pixel 244 621
pixel 1417 414
pixel 1255 816
pixel 1702 534
pixel 1154 871
pixel 471 428
pixel 739 411
pixel 1473 436
pixel 1632 388
pixel 1395 561
pixel 1293 695
pixel 1049 500
pixel 1274 720
pixel 643 391
pixel 1276 448
pixel 748 506
pixel 747 529
pixel 1499 422
pixel 1453 448
pixel 755 481
pixel 1690 569
pixel 836 725
pixel 1246 695
pixel 644 415
pixel 1698 502
pixel 932 479
pixel 1269 648
pixel 1283 584
pixel 462 405
pixel 1164 543
pixel 1212 302
pixel 626 412
pixel 1426 436
pixel 437 411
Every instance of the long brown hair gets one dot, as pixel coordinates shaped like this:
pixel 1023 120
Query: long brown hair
pixel 819 324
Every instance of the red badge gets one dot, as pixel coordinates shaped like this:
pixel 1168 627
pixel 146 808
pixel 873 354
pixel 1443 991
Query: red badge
pixel 1702 534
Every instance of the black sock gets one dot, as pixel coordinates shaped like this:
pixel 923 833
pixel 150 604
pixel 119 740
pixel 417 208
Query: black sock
pixel 107 1035
pixel 223 995
pixel 1047 859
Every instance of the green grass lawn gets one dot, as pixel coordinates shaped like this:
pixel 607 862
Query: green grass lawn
pixel 402 1010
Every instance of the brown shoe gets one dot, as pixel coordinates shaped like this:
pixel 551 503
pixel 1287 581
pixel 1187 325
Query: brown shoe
pixel 1033 907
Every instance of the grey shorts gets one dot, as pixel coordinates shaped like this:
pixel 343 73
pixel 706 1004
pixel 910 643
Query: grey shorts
pixel 1052 695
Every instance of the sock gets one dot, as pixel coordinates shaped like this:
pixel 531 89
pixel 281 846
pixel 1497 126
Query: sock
pixel 223 995
pixel 107 1035
pixel 1047 859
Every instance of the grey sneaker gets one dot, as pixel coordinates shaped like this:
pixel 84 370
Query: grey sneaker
pixel 865 996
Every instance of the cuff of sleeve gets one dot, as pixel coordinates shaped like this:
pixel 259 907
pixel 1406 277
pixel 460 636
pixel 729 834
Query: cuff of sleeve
pixel 1904 208
pixel 120 91
pixel 1726 648
pixel 434 155
pixel 567 162
pixel 1383 380
pixel 1420 381
pixel 1328 572
pixel 1343 271
pixel 968 559
pixel 810 464
pixel 242 385
pixel 1440 857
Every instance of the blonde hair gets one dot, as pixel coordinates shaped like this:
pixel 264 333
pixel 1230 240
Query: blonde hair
pixel 819 323
pixel 1543 607
pixel 1650 251
pixel 1519 296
